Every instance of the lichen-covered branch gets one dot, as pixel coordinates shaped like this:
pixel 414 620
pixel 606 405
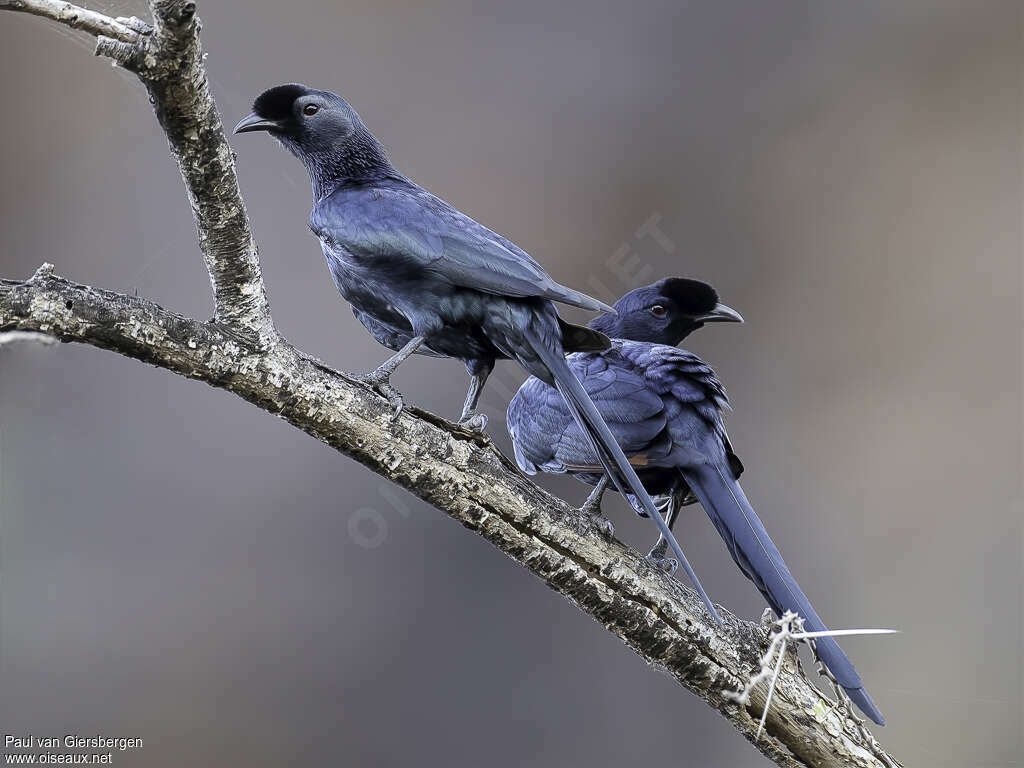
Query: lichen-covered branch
pixel 75 17
pixel 168 59
pixel 171 67
pixel 464 476
pixel 458 472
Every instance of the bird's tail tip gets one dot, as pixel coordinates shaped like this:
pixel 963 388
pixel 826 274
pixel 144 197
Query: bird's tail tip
pixel 864 702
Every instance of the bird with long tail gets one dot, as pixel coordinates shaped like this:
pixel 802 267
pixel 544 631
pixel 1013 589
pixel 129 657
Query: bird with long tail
pixel 421 275
pixel 665 407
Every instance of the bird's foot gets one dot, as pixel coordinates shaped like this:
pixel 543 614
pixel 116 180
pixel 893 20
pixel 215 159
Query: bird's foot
pixel 380 382
pixel 592 517
pixel 596 521
pixel 659 558
pixel 666 564
pixel 474 422
pixel 592 508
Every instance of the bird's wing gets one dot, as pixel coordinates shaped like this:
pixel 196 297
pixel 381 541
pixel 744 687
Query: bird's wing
pixel 685 381
pixel 406 223
pixel 546 437
pixel 606 446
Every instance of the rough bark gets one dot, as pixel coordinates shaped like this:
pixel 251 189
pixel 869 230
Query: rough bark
pixel 458 472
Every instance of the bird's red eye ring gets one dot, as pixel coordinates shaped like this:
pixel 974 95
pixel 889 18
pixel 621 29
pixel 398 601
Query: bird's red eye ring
pixel 658 310
pixel 310 109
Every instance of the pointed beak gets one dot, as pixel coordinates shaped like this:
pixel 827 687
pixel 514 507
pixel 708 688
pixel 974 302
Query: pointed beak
pixel 721 314
pixel 254 122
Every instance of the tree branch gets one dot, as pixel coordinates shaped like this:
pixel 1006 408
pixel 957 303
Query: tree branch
pixel 171 67
pixel 464 476
pixel 77 18
pixel 458 472
pixel 168 59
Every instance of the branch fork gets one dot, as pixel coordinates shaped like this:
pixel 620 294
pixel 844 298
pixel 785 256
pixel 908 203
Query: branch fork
pixel 458 472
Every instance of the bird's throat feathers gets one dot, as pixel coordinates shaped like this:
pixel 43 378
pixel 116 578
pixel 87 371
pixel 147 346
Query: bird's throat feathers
pixel 359 158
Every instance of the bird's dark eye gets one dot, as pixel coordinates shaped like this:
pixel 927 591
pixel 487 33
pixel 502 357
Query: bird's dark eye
pixel 658 310
pixel 310 109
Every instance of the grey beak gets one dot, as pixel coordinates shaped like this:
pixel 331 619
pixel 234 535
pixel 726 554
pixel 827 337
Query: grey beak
pixel 254 122
pixel 721 314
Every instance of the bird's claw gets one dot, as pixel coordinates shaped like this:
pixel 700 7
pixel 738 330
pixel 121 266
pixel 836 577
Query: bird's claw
pixel 592 510
pixel 666 564
pixel 474 422
pixel 658 557
pixel 591 517
pixel 598 521
pixel 381 384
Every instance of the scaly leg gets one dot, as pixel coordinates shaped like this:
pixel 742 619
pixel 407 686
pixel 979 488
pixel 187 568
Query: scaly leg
pixel 476 422
pixel 379 379
pixel 591 510
pixel 659 552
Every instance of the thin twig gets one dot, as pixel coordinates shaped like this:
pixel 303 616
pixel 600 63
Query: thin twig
pixel 74 16
pixel 842 633
pixel 766 670
pixel 790 628
pixel 771 688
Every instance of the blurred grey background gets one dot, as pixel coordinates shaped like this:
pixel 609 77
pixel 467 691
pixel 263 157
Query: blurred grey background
pixel 181 567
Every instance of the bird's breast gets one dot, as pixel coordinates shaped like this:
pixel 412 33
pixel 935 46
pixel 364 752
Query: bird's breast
pixel 363 289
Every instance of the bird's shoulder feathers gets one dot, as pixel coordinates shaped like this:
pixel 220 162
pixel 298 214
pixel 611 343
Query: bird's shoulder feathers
pixel 546 437
pixel 672 371
pixel 396 219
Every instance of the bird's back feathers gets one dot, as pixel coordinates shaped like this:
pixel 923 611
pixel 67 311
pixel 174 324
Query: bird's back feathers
pixel 395 219
pixel 637 387
pixel 665 406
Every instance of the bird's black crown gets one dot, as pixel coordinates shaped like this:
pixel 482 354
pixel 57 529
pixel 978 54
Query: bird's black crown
pixel 276 103
pixel 692 297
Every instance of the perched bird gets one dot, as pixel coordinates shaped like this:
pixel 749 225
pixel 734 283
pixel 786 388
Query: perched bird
pixel 419 273
pixel 665 408
pixel 394 249
pixel 543 434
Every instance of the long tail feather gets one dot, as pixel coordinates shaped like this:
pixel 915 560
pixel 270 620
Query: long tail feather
pixel 755 553
pixel 610 454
